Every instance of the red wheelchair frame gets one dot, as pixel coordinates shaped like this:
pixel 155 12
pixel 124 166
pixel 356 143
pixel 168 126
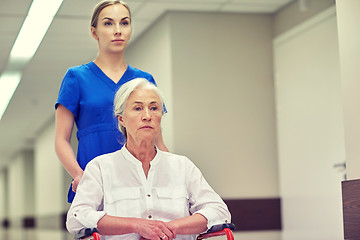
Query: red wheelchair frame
pixel 216 230
pixel 219 230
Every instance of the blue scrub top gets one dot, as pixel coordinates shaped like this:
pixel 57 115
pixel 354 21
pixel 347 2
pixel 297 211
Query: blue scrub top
pixel 89 94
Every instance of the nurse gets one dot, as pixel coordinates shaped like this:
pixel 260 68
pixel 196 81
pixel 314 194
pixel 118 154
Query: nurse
pixel 87 92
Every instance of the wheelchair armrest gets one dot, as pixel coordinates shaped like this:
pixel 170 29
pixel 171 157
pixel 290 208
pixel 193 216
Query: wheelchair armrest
pixel 219 230
pixel 221 226
pixel 88 232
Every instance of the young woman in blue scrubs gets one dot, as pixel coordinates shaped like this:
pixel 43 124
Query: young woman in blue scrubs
pixel 87 93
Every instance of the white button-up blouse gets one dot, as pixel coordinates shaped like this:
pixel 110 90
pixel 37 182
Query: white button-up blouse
pixel 115 184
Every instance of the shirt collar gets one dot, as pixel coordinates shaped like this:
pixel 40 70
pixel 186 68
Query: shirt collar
pixel 133 159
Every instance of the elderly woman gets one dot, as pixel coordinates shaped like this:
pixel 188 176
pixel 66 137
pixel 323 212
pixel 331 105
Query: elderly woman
pixel 140 191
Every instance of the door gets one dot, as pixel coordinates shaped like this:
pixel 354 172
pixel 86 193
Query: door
pixel 310 129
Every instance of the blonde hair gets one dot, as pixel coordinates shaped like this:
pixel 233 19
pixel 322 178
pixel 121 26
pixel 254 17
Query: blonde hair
pixel 103 4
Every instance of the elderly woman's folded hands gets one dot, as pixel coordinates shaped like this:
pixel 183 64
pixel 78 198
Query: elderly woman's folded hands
pixel 155 230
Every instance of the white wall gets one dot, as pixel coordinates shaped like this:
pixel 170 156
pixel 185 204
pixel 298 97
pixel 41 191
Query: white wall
pixel 49 194
pixel 297 12
pixel 3 200
pixel 29 183
pixel 20 192
pixel 310 129
pixel 48 175
pixel 16 187
pixel 349 47
pixel 224 114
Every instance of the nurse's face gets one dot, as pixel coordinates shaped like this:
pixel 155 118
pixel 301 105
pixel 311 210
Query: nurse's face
pixel 142 115
pixel 113 29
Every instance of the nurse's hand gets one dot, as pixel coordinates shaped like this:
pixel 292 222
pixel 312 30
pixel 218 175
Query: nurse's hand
pixel 75 182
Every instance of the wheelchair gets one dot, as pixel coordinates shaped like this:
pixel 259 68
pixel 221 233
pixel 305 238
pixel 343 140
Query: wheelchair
pixel 216 230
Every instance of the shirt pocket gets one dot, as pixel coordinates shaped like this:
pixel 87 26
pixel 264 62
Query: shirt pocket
pixel 173 202
pixel 123 202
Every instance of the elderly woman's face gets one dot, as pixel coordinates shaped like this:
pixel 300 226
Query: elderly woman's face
pixel 142 115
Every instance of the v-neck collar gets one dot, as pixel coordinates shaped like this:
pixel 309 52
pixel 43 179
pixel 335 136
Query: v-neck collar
pixel 108 81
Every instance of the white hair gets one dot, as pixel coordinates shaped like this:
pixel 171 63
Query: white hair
pixel 125 91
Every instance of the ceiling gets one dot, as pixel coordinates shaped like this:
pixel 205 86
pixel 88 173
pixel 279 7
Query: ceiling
pixel 68 43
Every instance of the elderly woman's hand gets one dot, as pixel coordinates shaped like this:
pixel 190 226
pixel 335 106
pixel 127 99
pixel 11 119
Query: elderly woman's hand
pixel 155 230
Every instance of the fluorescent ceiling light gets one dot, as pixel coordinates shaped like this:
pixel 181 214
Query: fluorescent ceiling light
pixel 33 30
pixel 36 24
pixel 8 84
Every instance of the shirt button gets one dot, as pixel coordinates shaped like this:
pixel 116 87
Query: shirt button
pixel 149 217
pixel 148 195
